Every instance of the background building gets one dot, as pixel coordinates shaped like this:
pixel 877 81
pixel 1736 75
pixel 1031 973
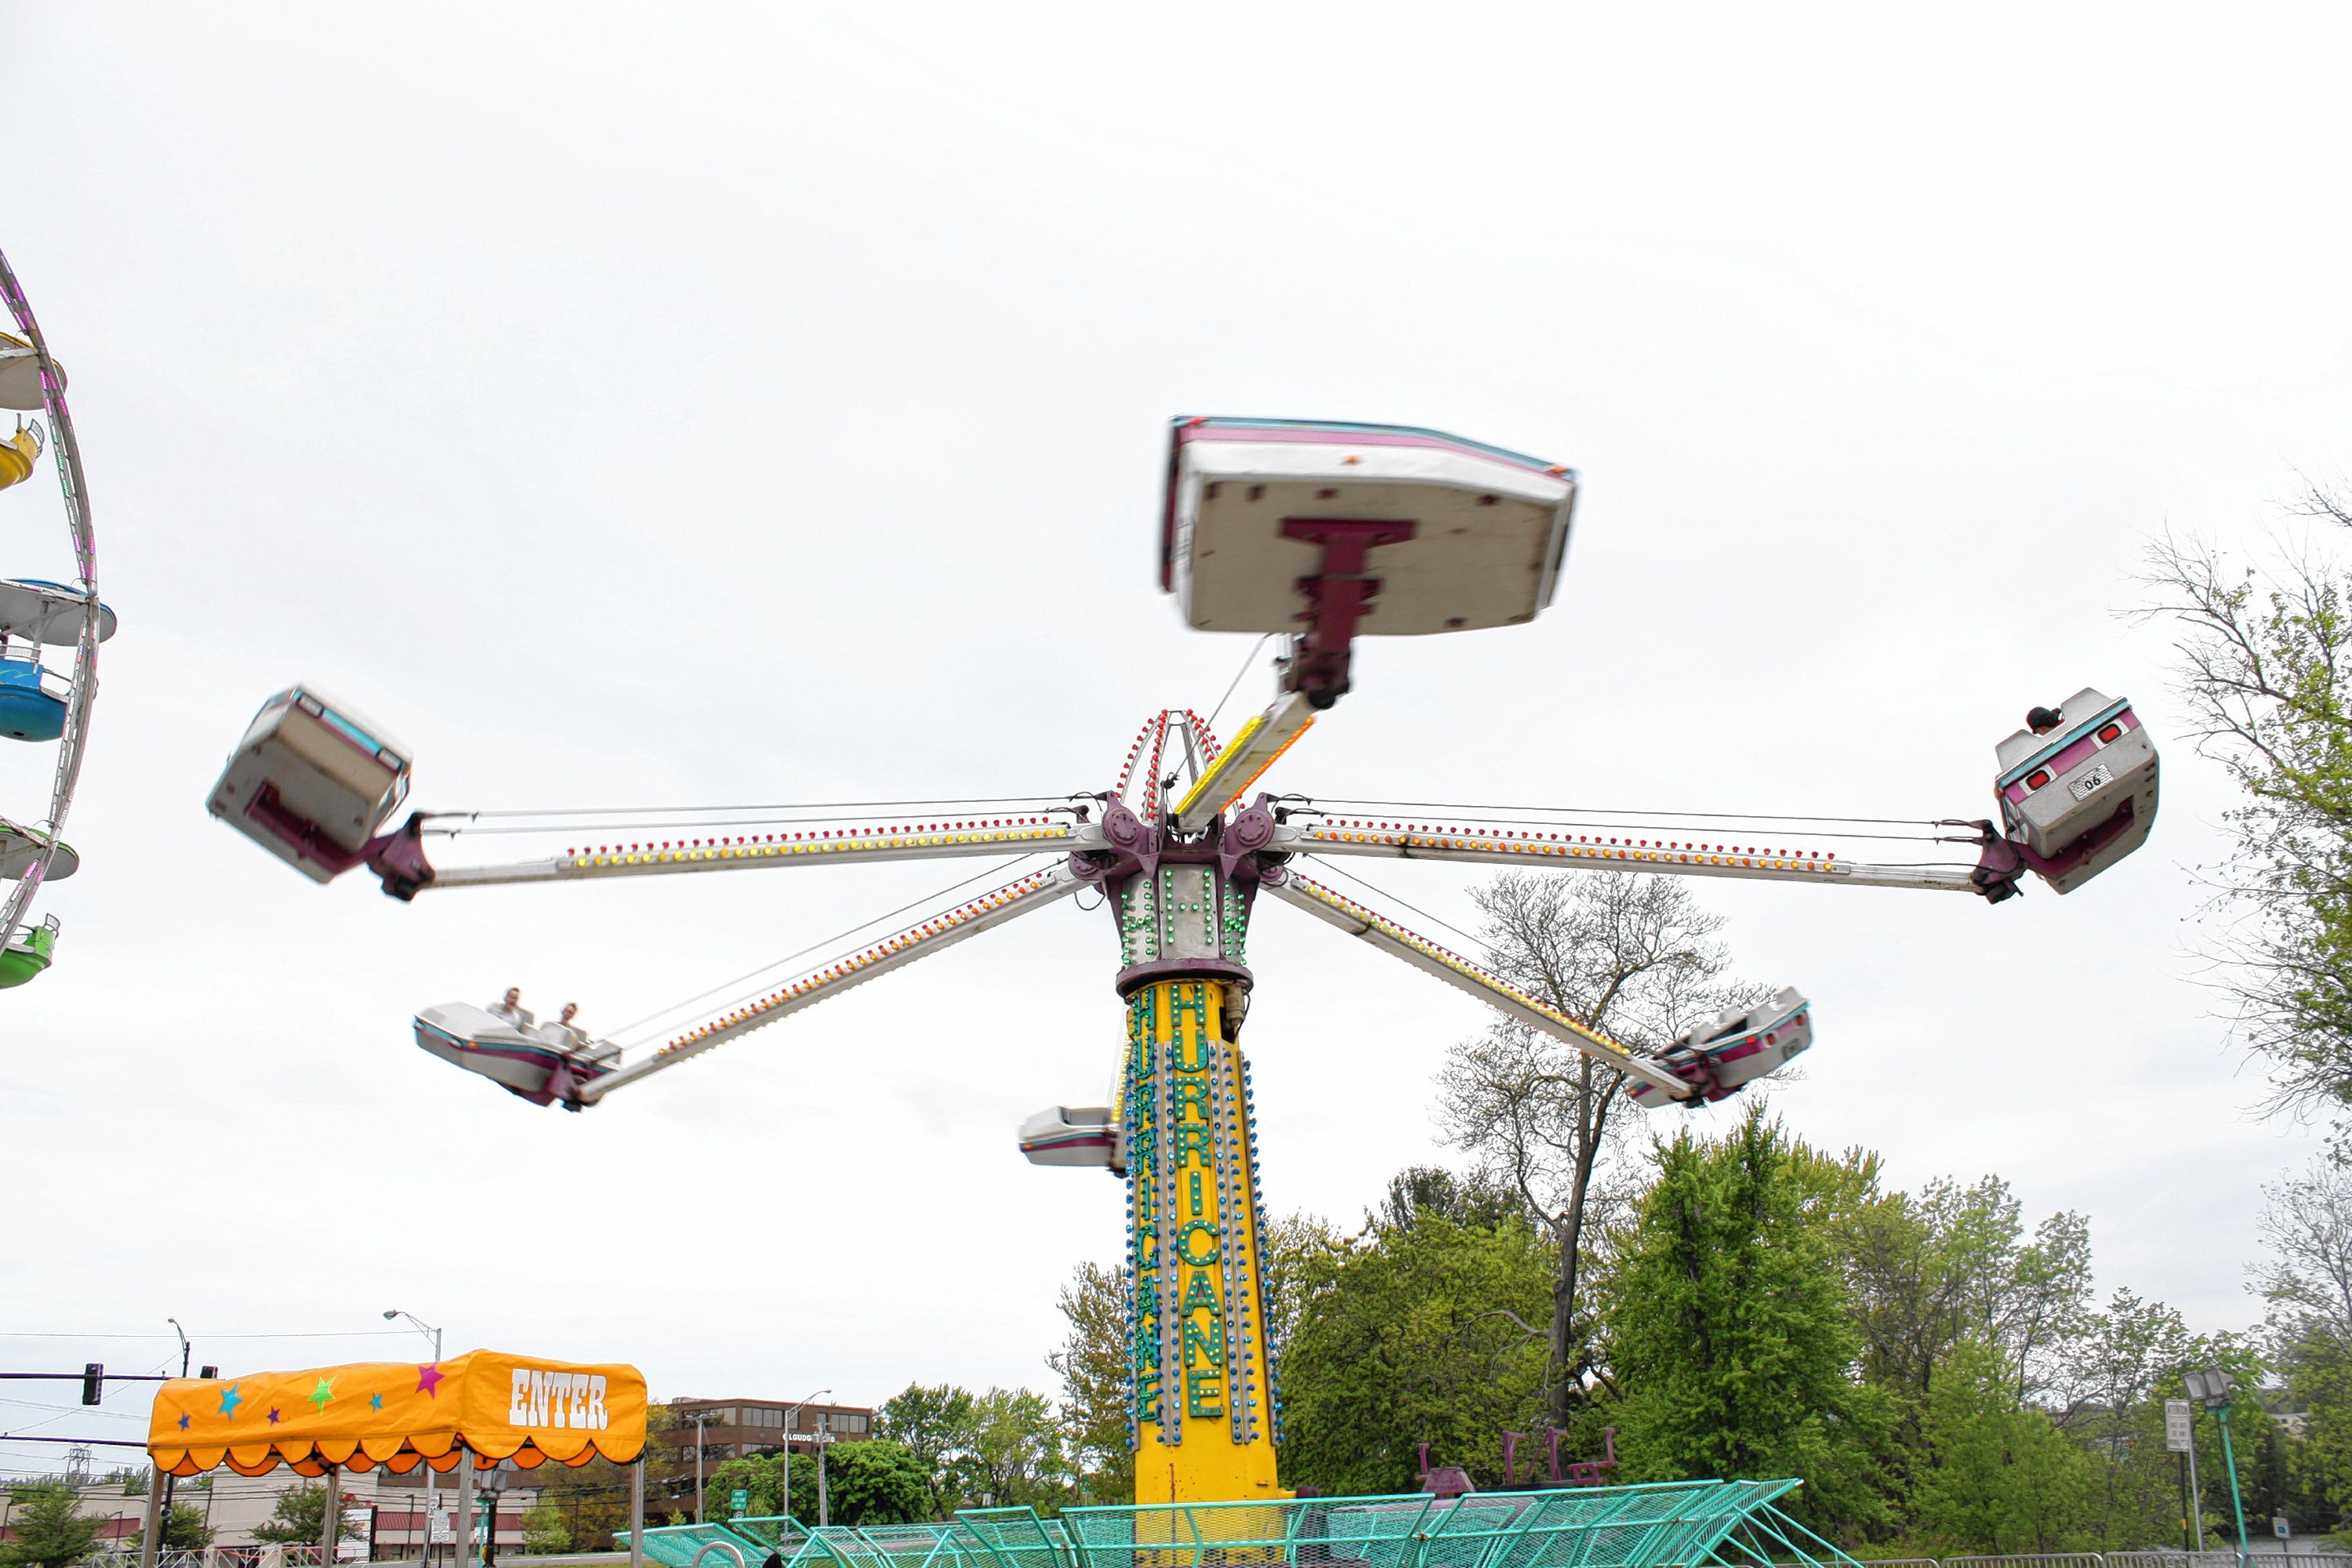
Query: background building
pixel 730 1428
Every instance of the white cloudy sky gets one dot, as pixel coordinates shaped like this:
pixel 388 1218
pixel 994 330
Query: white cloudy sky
pixel 767 404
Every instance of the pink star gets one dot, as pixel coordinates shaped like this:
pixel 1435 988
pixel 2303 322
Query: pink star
pixel 426 1376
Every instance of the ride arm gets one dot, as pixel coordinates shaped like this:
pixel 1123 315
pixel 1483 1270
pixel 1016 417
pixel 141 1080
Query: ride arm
pixel 401 860
pixel 992 908
pixel 1357 920
pixel 1255 747
pixel 1680 853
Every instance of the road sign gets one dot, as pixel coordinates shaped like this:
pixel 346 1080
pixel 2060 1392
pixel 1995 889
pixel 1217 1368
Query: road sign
pixel 2279 1526
pixel 739 1503
pixel 2176 1426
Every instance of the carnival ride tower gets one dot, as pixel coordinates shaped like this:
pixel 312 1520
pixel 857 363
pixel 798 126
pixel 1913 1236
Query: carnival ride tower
pixel 1318 532
pixel 1205 1408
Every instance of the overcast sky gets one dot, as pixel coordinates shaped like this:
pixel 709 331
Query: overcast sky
pixel 633 405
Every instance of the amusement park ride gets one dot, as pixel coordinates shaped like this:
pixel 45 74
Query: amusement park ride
pixel 39 704
pixel 1324 532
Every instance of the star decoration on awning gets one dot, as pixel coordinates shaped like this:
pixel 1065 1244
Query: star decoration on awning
pixel 183 1420
pixel 426 1376
pixel 230 1400
pixel 375 1402
pixel 323 1394
pixel 274 1416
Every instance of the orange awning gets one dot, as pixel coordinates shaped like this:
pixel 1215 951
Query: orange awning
pixel 400 1415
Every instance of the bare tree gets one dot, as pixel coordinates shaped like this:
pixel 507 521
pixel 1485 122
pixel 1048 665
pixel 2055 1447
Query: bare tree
pixel 2306 1272
pixel 1634 957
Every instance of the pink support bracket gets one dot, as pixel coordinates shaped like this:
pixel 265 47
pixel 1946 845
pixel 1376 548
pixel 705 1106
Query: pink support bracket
pixel 397 858
pixel 1339 595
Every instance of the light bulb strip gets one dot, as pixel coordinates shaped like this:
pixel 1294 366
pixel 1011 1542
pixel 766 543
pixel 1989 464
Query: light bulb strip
pixel 1341 831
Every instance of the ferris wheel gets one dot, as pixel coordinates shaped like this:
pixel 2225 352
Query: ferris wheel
pixel 42 704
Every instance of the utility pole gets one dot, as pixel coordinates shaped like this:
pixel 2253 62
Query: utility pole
pixel 792 1415
pixel 424 1327
pixel 701 1419
pixel 824 1441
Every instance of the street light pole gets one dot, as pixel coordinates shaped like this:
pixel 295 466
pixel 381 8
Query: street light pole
pixel 2229 1462
pixel 2212 1389
pixel 425 1328
pixel 171 1483
pixel 789 1417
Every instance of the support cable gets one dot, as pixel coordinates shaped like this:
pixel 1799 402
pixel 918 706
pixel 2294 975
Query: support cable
pixel 1330 868
pixel 994 871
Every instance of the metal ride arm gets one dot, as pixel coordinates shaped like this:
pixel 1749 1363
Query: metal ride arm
pixel 1232 770
pixel 1048 886
pixel 1683 854
pixel 1425 955
pixel 951 840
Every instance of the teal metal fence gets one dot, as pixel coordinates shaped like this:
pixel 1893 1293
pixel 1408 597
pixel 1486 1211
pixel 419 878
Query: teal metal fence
pixel 1682 1524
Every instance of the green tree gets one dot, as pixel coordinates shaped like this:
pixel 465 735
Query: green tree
pixel 1428 1332
pixel 543 1527
pixel 185 1529
pixel 2266 666
pixel 1997 1477
pixel 935 1424
pixel 1097 1383
pixel 1730 1338
pixel 299 1518
pixel 874 1482
pixel 1016 1456
pixel 49 1528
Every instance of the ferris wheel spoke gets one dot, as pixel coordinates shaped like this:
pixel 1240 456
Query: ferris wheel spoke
pixel 1049 885
pixel 1388 936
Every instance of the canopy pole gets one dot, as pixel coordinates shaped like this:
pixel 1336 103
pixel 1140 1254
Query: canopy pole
pixel 638 1511
pixel 330 1523
pixel 464 1551
pixel 149 1538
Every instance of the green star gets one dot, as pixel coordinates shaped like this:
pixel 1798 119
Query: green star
pixel 323 1393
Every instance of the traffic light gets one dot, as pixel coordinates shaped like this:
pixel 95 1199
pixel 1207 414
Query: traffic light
pixel 93 1381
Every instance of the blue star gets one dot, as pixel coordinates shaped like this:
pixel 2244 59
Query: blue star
pixel 375 1402
pixel 184 1421
pixel 230 1400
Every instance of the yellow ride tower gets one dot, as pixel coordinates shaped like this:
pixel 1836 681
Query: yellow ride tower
pixel 1205 1413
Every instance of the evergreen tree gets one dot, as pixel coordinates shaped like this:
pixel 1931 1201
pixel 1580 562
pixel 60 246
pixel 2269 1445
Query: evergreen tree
pixel 49 1528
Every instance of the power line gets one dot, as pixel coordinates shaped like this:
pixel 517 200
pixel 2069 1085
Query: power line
pixel 207 1334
